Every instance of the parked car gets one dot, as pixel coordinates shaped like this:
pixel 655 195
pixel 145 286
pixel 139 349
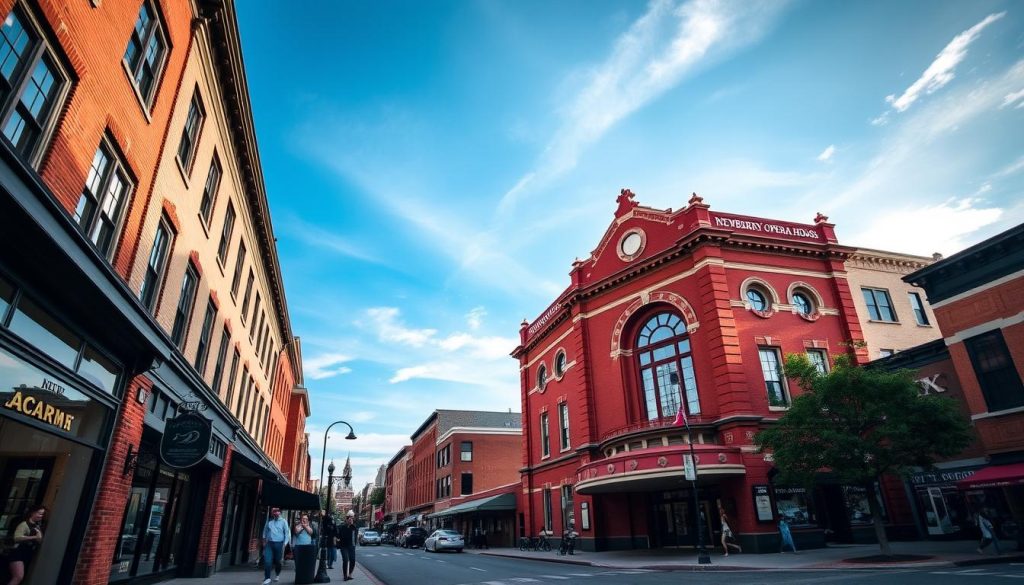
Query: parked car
pixel 387 538
pixel 444 540
pixel 413 537
pixel 369 537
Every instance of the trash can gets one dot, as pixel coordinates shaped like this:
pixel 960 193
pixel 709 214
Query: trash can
pixel 305 563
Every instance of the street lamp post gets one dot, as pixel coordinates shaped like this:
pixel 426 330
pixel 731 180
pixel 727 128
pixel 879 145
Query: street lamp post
pixel 321 572
pixel 703 556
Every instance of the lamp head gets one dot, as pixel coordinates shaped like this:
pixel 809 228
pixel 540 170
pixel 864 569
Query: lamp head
pixel 351 436
pixel 331 468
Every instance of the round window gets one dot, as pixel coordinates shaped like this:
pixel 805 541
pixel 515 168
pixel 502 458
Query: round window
pixel 542 377
pixel 757 300
pixel 802 303
pixel 560 364
pixel 631 244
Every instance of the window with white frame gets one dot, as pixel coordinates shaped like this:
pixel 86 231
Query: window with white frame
pixel 203 349
pixel 466 451
pixel 918 306
pixel 665 360
pixel 146 51
pixel 190 133
pixel 236 278
pixel 995 370
pixel 879 304
pixel 819 358
pixel 545 438
pixel 774 384
pixel 210 190
pixel 153 279
pixel 32 85
pixel 225 234
pixel 103 200
pixel 183 312
pixel 547 510
pixel 222 354
pixel 563 417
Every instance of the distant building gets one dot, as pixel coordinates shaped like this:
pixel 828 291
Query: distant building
pixel 894 315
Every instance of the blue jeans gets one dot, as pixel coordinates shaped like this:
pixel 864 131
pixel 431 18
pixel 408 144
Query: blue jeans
pixel 273 553
pixel 332 555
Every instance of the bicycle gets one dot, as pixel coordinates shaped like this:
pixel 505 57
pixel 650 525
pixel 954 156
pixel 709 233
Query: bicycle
pixel 542 544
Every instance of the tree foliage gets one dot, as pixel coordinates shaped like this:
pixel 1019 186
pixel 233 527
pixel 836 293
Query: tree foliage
pixel 377 496
pixel 858 424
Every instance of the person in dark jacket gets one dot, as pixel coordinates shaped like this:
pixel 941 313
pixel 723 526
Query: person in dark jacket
pixel 347 534
pixel 328 533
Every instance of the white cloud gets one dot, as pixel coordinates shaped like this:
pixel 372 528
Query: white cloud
pixel 317 237
pixel 1011 169
pixel 925 230
pixel 1017 96
pixel 475 317
pixel 391 330
pixel 942 69
pixel 669 42
pixel 826 155
pixel 325 365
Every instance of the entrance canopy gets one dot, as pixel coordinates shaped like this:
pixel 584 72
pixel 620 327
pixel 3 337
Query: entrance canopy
pixel 411 520
pixel 496 503
pixel 279 495
pixel 994 476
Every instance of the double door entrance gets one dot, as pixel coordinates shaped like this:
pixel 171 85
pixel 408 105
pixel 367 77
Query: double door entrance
pixel 675 524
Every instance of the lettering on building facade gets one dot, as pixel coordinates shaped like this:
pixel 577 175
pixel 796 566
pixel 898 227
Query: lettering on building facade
pixel 40 410
pixel 765 227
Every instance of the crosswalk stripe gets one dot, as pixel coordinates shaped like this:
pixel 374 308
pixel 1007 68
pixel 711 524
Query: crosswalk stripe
pixel 553 577
pixel 580 574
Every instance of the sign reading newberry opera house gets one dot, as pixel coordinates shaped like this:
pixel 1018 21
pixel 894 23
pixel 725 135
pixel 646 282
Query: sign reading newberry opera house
pixel 764 227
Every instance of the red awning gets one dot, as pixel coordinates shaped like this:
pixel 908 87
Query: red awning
pixel 994 476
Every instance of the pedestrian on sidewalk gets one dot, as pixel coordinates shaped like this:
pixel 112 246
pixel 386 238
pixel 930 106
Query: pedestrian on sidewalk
pixel 988 533
pixel 787 537
pixel 727 533
pixel 347 534
pixel 275 536
pixel 27 538
pixel 327 534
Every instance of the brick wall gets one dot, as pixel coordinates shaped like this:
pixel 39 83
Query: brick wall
pixel 206 555
pixel 97 549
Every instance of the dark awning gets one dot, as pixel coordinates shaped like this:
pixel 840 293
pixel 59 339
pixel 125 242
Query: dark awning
pixel 284 496
pixel 411 520
pixel 994 476
pixel 500 502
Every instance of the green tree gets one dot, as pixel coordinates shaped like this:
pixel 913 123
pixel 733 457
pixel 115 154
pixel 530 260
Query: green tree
pixel 860 423
pixel 377 496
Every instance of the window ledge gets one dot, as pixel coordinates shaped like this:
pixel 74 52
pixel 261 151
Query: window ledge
pixel 883 322
pixel 545 457
pixel 138 96
pixel 925 325
pixel 560 451
pixel 778 408
pixel 998 413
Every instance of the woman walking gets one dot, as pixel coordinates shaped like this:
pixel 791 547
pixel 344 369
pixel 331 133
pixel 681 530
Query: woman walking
pixel 988 533
pixel 727 534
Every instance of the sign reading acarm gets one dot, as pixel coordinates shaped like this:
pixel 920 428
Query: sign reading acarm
pixel 36 408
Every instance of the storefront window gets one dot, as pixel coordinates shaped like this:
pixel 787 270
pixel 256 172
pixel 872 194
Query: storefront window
pixel 152 529
pixel 37 467
pixel 37 327
pixel 99 370
pixel 794 505
pixel 6 298
pixel 857 505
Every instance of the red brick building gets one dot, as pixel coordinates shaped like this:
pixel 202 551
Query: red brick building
pixel 978 299
pixel 690 309
pixel 133 211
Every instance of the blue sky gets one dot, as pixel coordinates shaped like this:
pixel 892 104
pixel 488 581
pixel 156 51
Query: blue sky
pixel 433 168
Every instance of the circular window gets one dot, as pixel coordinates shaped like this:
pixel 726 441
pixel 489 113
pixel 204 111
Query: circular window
pixel 802 303
pixel 560 364
pixel 631 244
pixel 542 377
pixel 757 299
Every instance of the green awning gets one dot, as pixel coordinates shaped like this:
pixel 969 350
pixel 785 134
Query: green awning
pixel 497 503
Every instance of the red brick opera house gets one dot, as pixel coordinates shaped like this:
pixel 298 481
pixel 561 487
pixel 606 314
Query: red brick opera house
pixel 689 309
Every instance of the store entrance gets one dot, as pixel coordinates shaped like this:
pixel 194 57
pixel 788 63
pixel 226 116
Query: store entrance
pixel 674 523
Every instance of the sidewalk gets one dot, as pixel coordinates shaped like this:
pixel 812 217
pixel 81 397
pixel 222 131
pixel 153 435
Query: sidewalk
pixel 934 553
pixel 250 575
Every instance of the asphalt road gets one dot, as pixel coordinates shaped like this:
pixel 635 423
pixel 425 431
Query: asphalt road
pixel 396 566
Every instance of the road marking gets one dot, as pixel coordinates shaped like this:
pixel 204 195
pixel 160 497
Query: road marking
pixel 972 572
pixel 553 577
pixel 1012 576
pixel 523 580
pixel 580 574
pixel 476 569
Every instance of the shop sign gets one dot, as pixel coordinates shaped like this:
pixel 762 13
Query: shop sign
pixel 689 469
pixel 186 440
pixel 39 409
pixel 763 503
pixel 949 476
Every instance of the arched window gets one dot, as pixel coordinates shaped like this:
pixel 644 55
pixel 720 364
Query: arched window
pixel 666 366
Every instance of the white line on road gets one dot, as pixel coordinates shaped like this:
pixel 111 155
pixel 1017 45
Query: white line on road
pixel 476 569
pixel 1012 576
pixel 552 577
pixel 580 574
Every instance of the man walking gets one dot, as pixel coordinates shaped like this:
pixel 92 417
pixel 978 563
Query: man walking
pixel 275 536
pixel 347 534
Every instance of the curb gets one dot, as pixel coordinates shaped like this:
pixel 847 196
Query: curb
pixel 542 559
pixel 1009 558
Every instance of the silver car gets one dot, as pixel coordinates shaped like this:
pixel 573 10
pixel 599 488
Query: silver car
pixel 369 537
pixel 444 540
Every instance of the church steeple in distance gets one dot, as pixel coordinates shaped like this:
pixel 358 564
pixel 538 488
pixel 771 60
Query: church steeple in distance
pixel 347 472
